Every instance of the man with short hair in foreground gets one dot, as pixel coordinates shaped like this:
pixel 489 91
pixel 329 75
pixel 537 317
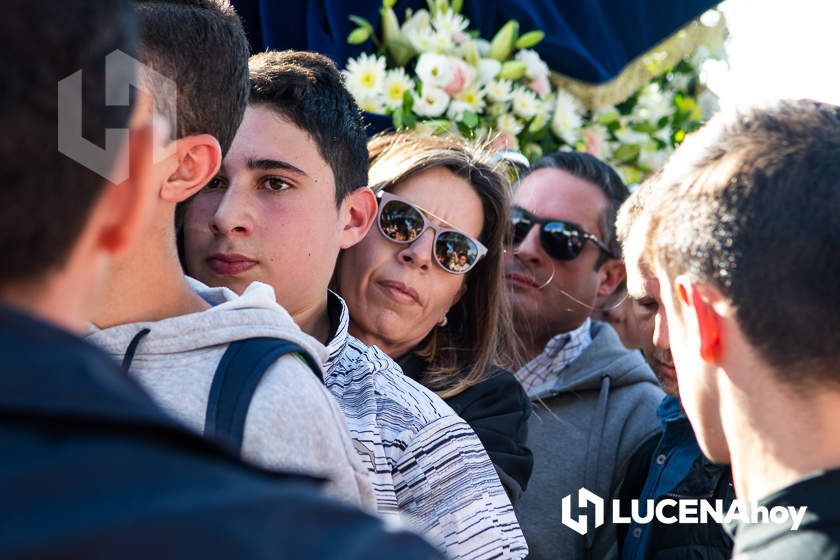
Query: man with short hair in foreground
pixel 90 466
pixel 743 239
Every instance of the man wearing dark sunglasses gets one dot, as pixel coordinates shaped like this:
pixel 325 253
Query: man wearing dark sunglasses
pixel 594 401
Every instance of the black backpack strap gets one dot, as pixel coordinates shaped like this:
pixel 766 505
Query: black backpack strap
pixel 235 382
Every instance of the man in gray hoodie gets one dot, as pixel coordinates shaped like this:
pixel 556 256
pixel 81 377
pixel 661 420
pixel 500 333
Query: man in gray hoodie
pixel 171 332
pixel 594 401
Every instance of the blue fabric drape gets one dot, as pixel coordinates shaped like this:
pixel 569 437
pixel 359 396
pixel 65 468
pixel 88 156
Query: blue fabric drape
pixel 591 40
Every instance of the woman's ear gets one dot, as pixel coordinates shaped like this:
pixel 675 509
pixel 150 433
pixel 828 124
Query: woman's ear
pixel 358 211
pixel 199 159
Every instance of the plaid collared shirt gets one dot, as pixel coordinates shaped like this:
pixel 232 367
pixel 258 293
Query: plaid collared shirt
pixel 424 460
pixel 540 375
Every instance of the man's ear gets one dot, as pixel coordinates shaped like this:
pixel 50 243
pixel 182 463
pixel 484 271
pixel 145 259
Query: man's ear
pixel 358 211
pixel 700 303
pixel 124 210
pixel 612 274
pixel 199 159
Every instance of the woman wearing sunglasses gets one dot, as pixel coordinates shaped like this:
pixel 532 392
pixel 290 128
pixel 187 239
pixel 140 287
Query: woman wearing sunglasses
pixel 426 286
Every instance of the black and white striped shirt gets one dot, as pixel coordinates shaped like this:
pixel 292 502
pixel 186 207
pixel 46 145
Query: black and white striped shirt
pixel 425 461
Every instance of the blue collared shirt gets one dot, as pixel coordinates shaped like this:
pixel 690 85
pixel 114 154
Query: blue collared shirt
pixel 676 452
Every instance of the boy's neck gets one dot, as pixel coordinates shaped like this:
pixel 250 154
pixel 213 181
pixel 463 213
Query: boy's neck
pixel 783 438
pixel 149 285
pixel 315 321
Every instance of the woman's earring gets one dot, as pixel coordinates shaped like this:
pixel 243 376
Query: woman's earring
pixel 443 322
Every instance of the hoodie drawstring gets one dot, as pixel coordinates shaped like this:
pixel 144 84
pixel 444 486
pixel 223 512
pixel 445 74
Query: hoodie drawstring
pixel 132 348
pixel 593 451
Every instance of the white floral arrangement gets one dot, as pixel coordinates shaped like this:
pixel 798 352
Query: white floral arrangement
pixel 432 73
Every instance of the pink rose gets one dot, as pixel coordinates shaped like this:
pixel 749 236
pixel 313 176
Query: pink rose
pixel 461 76
pixel 593 145
pixel 540 85
pixel 503 141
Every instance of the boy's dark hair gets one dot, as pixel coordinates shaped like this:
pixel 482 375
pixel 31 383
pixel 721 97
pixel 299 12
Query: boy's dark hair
pixel 201 46
pixel 307 89
pixel 750 205
pixel 45 196
pixel 593 170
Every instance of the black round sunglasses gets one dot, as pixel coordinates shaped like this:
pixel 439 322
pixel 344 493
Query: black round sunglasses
pixel 561 240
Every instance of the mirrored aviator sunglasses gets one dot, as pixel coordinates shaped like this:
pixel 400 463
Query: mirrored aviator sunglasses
pixel 402 221
pixel 563 241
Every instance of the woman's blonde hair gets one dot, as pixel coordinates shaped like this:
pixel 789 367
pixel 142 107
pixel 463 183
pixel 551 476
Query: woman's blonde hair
pixel 479 324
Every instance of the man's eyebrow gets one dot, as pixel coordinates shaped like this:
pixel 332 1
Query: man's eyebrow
pixel 269 164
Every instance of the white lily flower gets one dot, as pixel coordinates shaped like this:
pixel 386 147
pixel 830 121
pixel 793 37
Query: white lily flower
pixel 419 24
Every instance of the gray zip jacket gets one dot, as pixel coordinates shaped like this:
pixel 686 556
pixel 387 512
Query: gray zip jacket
pixel 293 423
pixel 583 430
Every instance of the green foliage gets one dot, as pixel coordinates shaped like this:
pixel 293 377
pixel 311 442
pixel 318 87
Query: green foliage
pixel 358 36
pixel 529 40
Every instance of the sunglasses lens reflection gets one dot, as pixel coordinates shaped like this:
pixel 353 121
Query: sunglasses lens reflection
pixel 456 252
pixel 400 221
pixel 521 227
pixel 561 242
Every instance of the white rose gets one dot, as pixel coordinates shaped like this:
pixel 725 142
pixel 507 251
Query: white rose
pixel 488 68
pixel 434 70
pixel 432 102
pixel 535 68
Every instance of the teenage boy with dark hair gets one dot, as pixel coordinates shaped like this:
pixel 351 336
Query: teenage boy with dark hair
pixel 744 239
pixel 172 333
pixel 289 197
pixel 90 466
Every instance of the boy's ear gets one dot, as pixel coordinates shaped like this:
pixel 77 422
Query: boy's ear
pixel 125 209
pixel 199 158
pixel 701 307
pixel 358 211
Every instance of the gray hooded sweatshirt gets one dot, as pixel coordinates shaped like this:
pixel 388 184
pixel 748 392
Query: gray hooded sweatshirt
pixel 582 432
pixel 293 422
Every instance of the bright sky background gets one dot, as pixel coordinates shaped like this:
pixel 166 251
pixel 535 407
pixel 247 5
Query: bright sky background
pixel 780 48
